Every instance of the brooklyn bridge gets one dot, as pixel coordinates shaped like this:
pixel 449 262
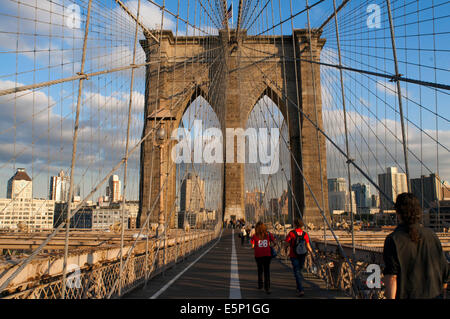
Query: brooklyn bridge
pixel 136 135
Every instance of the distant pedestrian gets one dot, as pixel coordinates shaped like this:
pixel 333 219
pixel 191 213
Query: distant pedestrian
pixel 261 242
pixel 415 265
pixel 243 235
pixel 299 246
pixel 247 235
pixel 252 232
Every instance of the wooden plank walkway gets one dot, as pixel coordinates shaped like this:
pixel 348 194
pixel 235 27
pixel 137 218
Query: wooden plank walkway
pixel 209 277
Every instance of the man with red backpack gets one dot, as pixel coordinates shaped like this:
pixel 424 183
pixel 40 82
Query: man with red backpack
pixel 299 246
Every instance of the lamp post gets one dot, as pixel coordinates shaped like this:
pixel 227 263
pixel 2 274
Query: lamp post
pixel 162 142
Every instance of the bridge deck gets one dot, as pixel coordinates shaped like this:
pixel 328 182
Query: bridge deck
pixel 209 277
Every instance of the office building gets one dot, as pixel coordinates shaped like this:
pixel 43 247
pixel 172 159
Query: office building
pixel 20 185
pixel 59 187
pixel 113 190
pixel 98 217
pixel 337 185
pixel 339 202
pixel 363 198
pixel 192 197
pixel 428 189
pixel 254 205
pixel 437 216
pixel 21 208
pixel 338 197
pixel 392 183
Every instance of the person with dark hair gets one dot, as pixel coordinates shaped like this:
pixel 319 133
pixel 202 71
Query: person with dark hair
pixel 261 242
pixel 415 264
pixel 247 233
pixel 299 246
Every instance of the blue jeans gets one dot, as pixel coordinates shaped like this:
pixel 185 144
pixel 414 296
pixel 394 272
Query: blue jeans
pixel 297 266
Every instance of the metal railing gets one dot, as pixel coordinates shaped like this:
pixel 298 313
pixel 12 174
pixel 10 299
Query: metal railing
pixel 329 265
pixel 98 281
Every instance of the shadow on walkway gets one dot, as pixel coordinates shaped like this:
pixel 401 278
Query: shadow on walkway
pixel 281 279
pixel 209 278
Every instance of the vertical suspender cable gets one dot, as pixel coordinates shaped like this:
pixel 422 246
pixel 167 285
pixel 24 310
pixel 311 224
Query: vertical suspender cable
pixel 399 94
pixel 74 152
pixel 349 160
pixel 126 150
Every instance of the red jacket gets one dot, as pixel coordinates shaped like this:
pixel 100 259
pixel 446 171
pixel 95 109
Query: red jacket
pixel 262 246
pixel 290 238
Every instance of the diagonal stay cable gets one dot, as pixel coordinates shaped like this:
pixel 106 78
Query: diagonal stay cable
pixel 21 266
pixel 325 135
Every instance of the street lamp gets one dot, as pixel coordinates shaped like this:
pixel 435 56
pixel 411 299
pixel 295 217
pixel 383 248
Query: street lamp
pixel 164 119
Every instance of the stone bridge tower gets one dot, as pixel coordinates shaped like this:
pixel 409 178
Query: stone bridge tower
pixel 232 72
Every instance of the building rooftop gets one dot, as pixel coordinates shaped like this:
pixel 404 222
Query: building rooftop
pixel 21 175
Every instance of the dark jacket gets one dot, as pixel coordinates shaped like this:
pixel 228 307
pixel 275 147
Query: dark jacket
pixel 421 269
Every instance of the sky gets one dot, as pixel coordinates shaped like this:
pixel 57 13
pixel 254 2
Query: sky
pixel 36 128
pixel 423 44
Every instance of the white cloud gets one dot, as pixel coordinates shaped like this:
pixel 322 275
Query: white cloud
pixel 43 33
pixel 364 145
pixel 329 55
pixel 390 88
pixel 150 15
pixel 44 140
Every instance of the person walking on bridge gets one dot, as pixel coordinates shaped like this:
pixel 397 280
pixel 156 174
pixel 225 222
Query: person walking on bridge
pixel 252 233
pixel 415 264
pixel 243 235
pixel 262 242
pixel 299 246
pixel 247 233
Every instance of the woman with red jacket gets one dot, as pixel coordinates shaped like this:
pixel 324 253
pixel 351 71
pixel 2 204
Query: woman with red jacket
pixel 261 242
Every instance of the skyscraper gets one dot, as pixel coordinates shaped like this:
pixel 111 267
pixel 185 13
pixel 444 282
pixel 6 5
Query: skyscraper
pixel 428 189
pixel 362 197
pixel 192 197
pixel 59 187
pixel 254 204
pixel 392 183
pixel 113 190
pixel 337 185
pixel 285 202
pixel 338 196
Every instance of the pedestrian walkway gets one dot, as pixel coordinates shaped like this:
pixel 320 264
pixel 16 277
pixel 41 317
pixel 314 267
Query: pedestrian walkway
pixel 213 274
